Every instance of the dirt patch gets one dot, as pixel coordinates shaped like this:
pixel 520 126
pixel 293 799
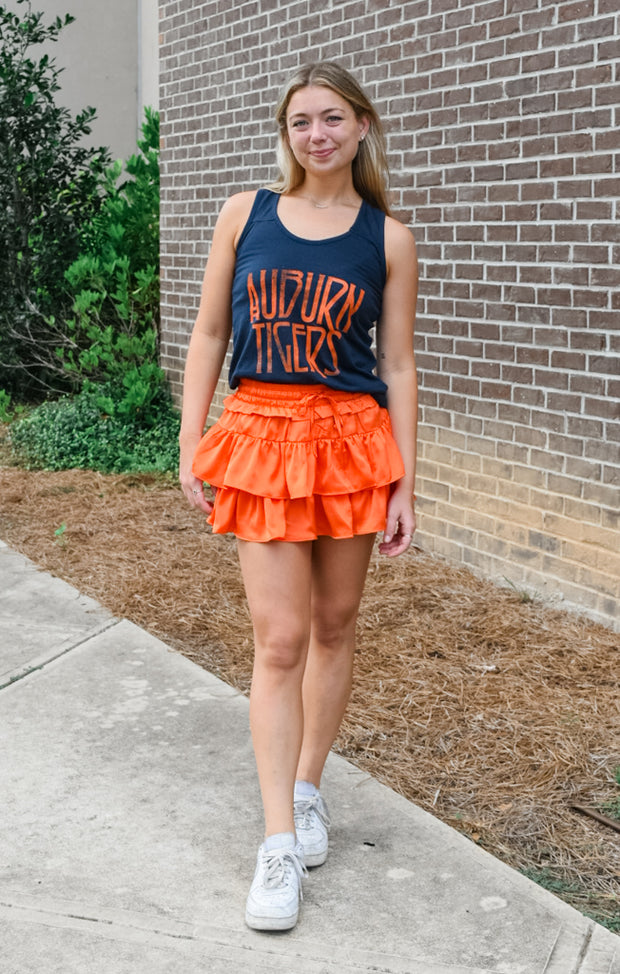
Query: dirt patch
pixel 493 713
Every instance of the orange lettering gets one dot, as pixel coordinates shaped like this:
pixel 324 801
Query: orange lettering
pixel 309 317
pixel 285 353
pixel 312 352
pixel 328 303
pixel 258 327
pixel 350 306
pixel 253 296
pixel 269 346
pixel 298 332
pixel 269 312
pixel 284 309
pixel 332 335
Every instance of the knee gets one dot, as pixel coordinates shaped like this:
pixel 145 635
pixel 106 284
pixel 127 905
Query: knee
pixel 280 649
pixel 334 629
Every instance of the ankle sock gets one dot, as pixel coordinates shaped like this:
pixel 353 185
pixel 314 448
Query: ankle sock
pixel 281 840
pixel 305 789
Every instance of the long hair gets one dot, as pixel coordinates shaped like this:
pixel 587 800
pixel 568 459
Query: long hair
pixel 370 168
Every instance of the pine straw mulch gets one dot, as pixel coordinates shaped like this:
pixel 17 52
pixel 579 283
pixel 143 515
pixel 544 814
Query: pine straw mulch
pixel 493 713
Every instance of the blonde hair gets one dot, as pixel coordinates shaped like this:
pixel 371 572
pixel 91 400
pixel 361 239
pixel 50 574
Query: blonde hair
pixel 370 168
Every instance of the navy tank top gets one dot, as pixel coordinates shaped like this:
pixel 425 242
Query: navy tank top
pixel 303 310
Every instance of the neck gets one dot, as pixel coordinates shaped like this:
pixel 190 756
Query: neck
pixel 329 192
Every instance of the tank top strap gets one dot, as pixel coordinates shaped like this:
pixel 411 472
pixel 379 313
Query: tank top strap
pixel 371 221
pixel 265 205
pixel 370 227
pixel 263 208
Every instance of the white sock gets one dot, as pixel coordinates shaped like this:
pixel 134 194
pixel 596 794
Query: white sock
pixel 281 840
pixel 305 789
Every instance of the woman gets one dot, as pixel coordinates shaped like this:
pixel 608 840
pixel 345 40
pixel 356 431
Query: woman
pixel 306 461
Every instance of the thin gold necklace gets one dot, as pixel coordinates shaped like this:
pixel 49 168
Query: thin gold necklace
pixel 324 206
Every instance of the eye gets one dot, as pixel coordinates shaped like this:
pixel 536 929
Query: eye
pixel 299 123
pixel 334 119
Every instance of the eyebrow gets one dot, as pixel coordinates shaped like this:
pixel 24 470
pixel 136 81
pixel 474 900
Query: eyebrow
pixel 325 111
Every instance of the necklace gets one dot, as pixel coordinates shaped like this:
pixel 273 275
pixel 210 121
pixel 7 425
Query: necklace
pixel 324 206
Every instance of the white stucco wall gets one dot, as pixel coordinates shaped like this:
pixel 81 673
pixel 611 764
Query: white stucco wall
pixel 109 56
pixel 148 55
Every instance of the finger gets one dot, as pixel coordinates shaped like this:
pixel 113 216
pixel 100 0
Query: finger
pixel 397 546
pixel 391 526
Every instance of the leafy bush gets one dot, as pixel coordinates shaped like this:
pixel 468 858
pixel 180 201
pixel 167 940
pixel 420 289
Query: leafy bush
pixel 81 270
pixel 128 223
pixel 121 418
pixel 78 431
pixel 49 188
pixel 112 336
pixel 6 413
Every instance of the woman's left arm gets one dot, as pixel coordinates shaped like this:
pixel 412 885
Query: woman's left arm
pixel 396 366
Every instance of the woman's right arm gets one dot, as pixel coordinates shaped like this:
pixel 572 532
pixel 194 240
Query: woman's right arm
pixel 209 340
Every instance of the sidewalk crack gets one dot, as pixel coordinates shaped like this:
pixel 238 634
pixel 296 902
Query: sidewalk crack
pixel 40 662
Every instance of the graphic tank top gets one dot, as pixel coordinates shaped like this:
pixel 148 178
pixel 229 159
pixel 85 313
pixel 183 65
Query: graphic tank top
pixel 303 310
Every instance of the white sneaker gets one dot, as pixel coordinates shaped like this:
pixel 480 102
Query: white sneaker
pixel 312 823
pixel 273 900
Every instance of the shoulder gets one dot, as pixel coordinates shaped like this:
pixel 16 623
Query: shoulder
pixel 237 207
pixel 234 215
pixel 239 202
pixel 397 235
pixel 400 248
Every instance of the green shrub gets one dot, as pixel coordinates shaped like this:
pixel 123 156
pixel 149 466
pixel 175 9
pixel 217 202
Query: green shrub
pixel 123 363
pixel 128 223
pixel 82 312
pixel 79 432
pixel 111 338
pixel 115 281
pixel 6 413
pixel 49 189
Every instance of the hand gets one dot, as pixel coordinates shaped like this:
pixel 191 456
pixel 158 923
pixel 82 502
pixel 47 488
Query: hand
pixel 194 488
pixel 400 523
pixel 194 491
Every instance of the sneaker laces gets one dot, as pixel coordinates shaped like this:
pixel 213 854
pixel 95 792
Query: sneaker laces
pixel 305 808
pixel 277 865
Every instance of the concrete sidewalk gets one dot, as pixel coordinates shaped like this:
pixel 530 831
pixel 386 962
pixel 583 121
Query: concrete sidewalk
pixel 131 819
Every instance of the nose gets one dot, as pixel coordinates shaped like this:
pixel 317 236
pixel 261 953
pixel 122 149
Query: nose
pixel 316 130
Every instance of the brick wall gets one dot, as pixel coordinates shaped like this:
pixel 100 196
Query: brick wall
pixel 503 124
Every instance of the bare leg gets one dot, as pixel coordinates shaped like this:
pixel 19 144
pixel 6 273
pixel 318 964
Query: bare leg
pixel 277 578
pixel 339 570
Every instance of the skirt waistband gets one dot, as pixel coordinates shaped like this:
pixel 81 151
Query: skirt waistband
pixel 290 392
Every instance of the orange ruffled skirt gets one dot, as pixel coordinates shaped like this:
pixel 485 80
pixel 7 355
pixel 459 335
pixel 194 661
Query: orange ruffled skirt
pixel 294 462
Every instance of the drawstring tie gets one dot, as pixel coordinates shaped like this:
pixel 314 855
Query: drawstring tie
pixel 309 407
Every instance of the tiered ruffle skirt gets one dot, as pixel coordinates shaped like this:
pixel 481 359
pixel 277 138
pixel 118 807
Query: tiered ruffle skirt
pixel 295 462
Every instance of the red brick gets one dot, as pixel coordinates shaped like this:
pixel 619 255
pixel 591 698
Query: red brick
pixel 572 99
pixel 550 379
pixel 583 54
pixel 541 61
pixel 587 340
pixel 609 49
pixel 518 43
pixel 600 27
pixel 594 164
pixel 576 11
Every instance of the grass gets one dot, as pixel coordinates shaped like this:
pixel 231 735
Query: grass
pixel 578 896
pixel 612 808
